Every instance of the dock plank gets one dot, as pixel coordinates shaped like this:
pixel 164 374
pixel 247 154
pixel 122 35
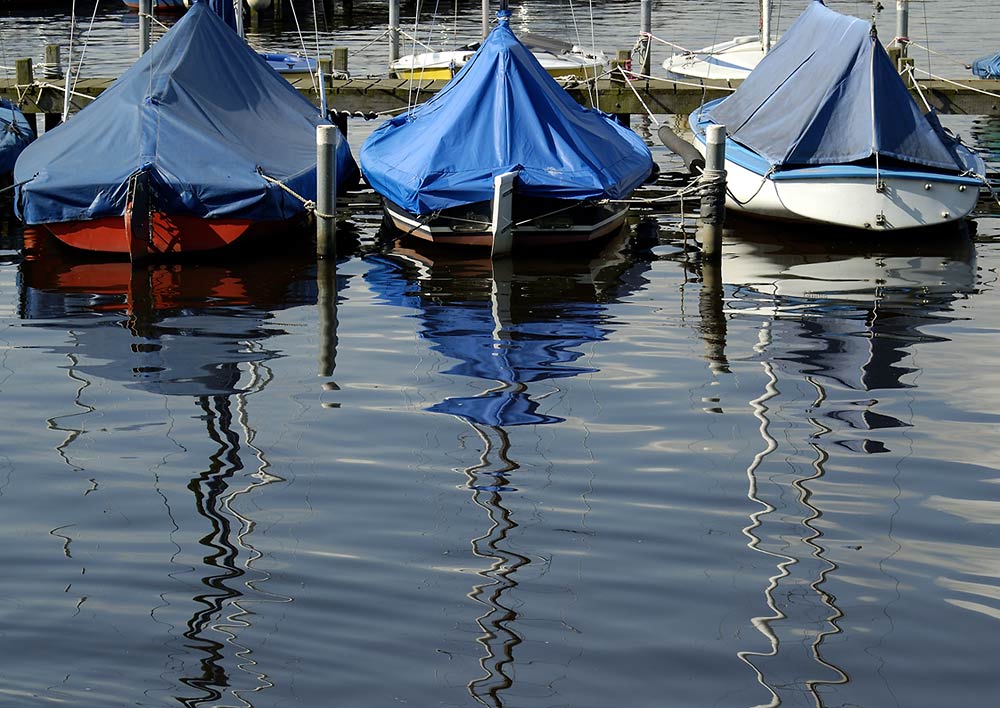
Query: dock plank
pixel 365 96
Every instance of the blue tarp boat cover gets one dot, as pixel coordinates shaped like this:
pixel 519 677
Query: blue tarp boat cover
pixel 987 67
pixel 501 112
pixel 205 114
pixel 827 93
pixel 15 134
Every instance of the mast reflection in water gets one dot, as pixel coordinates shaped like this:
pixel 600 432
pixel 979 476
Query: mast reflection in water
pixel 835 322
pixel 195 332
pixel 513 326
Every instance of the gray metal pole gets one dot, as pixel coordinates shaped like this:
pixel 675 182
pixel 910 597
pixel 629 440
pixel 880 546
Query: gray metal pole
pixel 486 18
pixel 145 13
pixel 393 30
pixel 646 21
pixel 902 25
pixel 713 200
pixel 327 139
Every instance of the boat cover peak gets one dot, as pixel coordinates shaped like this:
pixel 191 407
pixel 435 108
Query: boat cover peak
pixel 502 112
pixel 205 115
pixel 827 93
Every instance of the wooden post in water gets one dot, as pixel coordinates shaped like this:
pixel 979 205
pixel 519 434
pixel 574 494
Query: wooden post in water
pixel 340 58
pixel 713 200
pixel 646 22
pixel 52 69
pixel 145 15
pixel 24 75
pixel 393 30
pixel 327 140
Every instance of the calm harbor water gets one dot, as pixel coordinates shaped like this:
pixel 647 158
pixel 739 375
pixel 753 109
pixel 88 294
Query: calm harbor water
pixel 611 477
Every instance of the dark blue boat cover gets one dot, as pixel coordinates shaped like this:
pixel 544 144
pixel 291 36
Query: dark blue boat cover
pixel 502 112
pixel 226 9
pixel 828 94
pixel 15 134
pixel 987 67
pixel 205 114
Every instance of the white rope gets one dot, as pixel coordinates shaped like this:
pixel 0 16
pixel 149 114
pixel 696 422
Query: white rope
pixel 86 43
pixel 305 52
pixel 629 83
pixel 991 94
pixel 698 84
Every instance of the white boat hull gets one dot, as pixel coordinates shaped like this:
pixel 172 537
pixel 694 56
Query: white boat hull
pixel 734 59
pixel 905 200
pixel 901 203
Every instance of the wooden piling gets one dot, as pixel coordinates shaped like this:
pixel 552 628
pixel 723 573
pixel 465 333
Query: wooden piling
pixel 340 58
pixel 24 76
pixel 52 68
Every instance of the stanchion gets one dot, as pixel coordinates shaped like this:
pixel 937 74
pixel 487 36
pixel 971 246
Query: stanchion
pixel 327 138
pixel 713 199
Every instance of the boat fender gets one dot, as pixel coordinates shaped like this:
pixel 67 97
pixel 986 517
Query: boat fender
pixel 693 160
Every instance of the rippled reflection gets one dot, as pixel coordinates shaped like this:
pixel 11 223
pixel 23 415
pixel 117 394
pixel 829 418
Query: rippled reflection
pixel 512 326
pixel 832 320
pixel 196 333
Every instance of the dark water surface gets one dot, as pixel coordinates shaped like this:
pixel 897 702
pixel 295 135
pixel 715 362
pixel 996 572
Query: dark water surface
pixel 605 478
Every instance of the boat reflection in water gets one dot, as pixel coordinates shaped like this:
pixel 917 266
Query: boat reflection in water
pixel 513 327
pixel 835 325
pixel 195 332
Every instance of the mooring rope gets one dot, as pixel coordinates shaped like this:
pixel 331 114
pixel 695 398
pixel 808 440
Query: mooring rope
pixel 991 94
pixel 308 204
pixel 18 184
pixel 628 82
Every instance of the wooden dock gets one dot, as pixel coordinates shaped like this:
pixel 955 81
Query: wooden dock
pixel 368 97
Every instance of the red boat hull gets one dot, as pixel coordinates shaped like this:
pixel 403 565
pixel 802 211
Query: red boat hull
pixel 168 235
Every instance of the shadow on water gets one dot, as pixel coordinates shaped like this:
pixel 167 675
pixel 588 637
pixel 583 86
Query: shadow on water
pixel 512 327
pixel 836 322
pixel 196 331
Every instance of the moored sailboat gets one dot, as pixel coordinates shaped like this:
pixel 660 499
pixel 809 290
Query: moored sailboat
pixel 834 136
pixel 437 166
pixel 198 144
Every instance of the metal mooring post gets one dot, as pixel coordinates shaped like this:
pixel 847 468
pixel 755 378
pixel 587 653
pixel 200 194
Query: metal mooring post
pixel 145 14
pixel 713 199
pixel 646 28
pixel 393 30
pixel 327 138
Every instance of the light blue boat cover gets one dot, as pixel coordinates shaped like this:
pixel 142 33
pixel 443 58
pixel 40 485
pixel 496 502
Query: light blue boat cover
pixel 827 93
pixel 987 67
pixel 501 112
pixel 15 134
pixel 205 114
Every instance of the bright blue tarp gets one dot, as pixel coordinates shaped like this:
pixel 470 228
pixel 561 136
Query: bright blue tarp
pixel 205 114
pixel 15 134
pixel 827 93
pixel 502 112
pixel 987 67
